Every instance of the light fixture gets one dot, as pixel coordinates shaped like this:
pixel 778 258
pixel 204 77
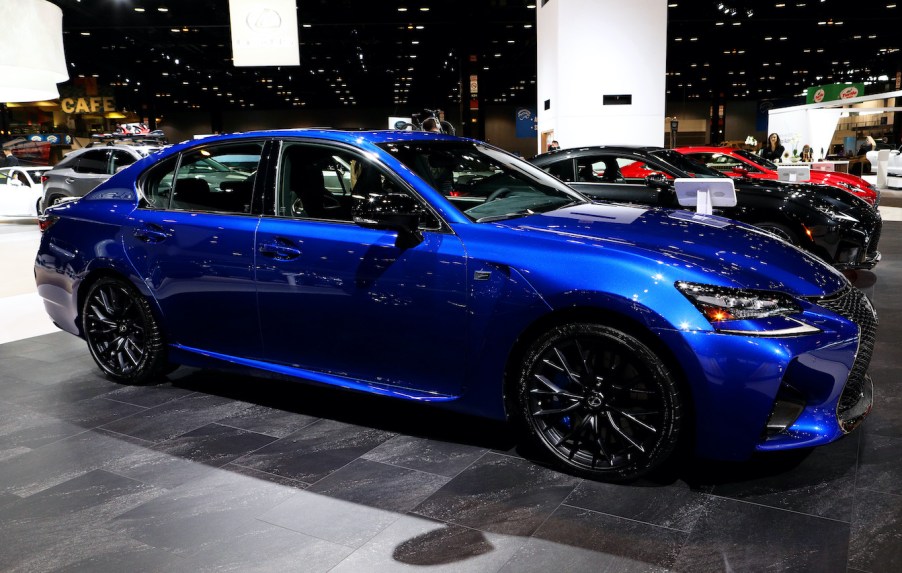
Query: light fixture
pixel 32 60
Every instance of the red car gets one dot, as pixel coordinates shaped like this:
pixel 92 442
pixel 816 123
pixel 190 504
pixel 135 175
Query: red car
pixel 741 163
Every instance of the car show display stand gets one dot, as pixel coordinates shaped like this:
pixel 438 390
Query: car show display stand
pixel 705 193
pixel 793 173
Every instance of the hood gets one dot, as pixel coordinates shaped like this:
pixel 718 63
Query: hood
pixel 704 248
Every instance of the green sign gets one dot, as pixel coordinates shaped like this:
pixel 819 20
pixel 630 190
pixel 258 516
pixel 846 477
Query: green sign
pixel 832 92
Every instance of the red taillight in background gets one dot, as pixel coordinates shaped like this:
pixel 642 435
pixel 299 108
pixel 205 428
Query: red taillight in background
pixel 44 179
pixel 46 221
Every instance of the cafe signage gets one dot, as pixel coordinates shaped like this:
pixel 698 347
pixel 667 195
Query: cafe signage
pixel 93 104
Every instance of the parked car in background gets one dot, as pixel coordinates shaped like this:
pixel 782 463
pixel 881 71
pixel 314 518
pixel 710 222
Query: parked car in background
pixel 21 191
pixel 832 224
pixel 738 163
pixel 84 169
pixel 609 334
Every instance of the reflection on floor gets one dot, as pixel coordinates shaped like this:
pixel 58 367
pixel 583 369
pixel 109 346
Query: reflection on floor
pixel 211 472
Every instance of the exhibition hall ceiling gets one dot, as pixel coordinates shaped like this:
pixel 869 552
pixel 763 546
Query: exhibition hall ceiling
pixel 401 55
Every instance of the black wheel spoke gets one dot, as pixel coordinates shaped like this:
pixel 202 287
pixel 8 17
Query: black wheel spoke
pixel 614 426
pixel 119 328
pixel 598 403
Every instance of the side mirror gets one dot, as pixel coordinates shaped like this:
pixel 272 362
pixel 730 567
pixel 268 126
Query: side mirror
pixel 740 171
pixel 390 211
pixel 657 180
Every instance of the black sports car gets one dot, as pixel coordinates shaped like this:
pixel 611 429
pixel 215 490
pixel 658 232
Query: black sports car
pixel 830 223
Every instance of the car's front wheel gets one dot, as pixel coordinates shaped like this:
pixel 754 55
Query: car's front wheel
pixel 122 333
pixel 781 231
pixel 600 402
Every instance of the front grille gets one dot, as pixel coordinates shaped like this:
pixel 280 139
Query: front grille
pixel 875 237
pixel 857 395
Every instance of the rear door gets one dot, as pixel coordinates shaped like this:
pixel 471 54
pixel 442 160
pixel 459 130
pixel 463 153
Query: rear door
pixel 192 244
pixel 90 169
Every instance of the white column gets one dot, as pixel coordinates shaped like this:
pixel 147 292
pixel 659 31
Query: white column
pixel 601 71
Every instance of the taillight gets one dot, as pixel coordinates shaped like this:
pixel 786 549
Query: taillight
pixel 46 221
pixel 44 179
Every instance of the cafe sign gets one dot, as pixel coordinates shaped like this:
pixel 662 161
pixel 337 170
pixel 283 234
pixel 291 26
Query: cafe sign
pixel 94 104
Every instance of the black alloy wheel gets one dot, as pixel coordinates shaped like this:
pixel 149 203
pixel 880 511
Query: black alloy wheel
pixel 122 334
pixel 600 402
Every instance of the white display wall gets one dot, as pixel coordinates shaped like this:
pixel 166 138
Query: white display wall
pixel 589 49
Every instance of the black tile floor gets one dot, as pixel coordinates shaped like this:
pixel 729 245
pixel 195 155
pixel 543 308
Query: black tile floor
pixel 216 472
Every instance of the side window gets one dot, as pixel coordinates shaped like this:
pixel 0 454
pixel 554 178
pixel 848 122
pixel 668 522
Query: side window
pixel 120 159
pixel 4 178
pixel 563 170
pixel 95 161
pixel 316 182
pixel 203 183
pixel 599 170
pixel 157 184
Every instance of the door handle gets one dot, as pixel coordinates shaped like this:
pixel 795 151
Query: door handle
pixel 279 251
pixel 70 180
pixel 151 233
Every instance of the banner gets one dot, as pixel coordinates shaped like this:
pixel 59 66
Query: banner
pixel 832 92
pixel 264 33
pixel 526 122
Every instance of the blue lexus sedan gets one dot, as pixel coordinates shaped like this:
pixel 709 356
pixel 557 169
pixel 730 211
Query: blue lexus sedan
pixel 444 270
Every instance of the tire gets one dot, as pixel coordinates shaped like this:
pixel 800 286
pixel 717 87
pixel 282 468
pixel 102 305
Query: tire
pixel 122 333
pixel 622 426
pixel 781 231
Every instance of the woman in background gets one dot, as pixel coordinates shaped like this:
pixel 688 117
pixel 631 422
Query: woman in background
pixel 773 149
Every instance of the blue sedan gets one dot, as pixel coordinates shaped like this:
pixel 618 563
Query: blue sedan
pixel 444 270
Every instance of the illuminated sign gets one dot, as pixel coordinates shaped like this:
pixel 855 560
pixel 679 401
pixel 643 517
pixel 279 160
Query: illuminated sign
pixel 264 33
pixel 95 104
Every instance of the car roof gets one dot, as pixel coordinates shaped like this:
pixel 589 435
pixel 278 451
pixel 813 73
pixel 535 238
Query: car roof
pixel 27 167
pixel 621 148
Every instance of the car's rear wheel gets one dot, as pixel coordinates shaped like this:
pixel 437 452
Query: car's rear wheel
pixel 122 333
pixel 600 402
pixel 55 200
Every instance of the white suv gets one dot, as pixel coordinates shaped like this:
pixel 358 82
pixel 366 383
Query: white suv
pixel 84 169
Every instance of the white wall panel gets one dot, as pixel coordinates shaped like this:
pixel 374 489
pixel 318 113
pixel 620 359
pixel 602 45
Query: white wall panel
pixel 591 48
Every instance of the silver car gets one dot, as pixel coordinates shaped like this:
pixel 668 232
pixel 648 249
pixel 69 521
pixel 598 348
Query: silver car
pixel 84 169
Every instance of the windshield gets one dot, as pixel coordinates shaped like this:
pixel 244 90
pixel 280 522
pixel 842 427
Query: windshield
pixel 756 159
pixel 484 183
pixel 692 167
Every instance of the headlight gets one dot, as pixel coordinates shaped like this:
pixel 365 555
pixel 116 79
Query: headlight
pixel 833 214
pixel 746 311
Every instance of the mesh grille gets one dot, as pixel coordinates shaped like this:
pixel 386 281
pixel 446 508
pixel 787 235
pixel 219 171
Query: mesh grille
pixel 852 304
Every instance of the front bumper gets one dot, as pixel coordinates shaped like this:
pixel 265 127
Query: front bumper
pixel 741 385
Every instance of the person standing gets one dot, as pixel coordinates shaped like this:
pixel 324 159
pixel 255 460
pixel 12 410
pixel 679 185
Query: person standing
pixel 554 145
pixel 807 154
pixel 11 160
pixel 773 149
pixel 432 124
pixel 868 145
